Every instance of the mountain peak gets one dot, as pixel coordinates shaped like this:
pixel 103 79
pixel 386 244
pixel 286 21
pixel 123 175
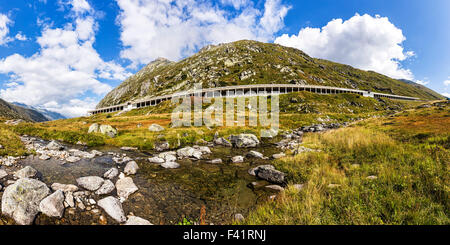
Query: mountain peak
pixel 250 62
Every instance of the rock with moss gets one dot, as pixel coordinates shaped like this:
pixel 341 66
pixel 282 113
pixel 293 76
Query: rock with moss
pixel 244 140
pixel 21 200
pixel 155 128
pixel 108 130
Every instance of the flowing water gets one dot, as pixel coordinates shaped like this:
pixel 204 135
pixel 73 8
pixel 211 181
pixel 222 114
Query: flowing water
pixel 165 196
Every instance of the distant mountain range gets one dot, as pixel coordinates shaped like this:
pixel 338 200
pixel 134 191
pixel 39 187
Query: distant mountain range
pixel 29 113
pixel 251 62
pixel 49 115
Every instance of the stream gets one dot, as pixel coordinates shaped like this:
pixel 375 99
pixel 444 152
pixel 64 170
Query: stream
pixel 165 196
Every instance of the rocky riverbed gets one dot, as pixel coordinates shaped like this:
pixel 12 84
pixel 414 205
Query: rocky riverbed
pixel 75 184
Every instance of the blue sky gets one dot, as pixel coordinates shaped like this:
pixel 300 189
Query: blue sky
pixel 65 55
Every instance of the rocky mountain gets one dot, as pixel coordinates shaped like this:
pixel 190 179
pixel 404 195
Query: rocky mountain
pixel 13 111
pixel 49 115
pixel 251 62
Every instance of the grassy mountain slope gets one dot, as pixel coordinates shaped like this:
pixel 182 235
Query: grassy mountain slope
pixel 11 111
pixel 251 62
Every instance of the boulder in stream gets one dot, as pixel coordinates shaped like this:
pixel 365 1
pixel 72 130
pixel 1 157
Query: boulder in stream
pixel 53 205
pixel 21 200
pixel 113 208
pixel 91 183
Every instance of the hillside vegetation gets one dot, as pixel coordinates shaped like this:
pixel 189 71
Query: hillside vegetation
pixel 393 170
pixel 297 109
pixel 246 62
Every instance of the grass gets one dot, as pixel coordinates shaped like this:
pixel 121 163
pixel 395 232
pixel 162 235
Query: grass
pixel 12 145
pixel 412 184
pixel 133 125
pixel 408 152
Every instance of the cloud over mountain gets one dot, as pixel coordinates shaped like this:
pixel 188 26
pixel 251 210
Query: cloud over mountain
pixel 363 41
pixel 177 28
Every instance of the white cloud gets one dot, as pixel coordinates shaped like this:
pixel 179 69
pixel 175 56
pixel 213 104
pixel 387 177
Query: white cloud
pixel 175 29
pixel 19 36
pixel 366 42
pixel 66 68
pixel 422 82
pixel 73 107
pixel 4 29
pixel 81 6
pixel 446 95
pixel 237 4
pixel 447 82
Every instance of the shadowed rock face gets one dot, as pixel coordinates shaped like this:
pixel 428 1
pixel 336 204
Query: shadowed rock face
pixel 21 200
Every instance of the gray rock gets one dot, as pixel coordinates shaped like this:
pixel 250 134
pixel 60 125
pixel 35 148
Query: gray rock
pixel 237 159
pixel 134 220
pixel 111 173
pixel 127 148
pixel 113 208
pixel 125 187
pixel 156 160
pixel 222 141
pixel 44 157
pixel 155 128
pixel 255 154
pixel 163 146
pixel 54 146
pixel 372 177
pixel 216 161
pixel 106 188
pixel 203 149
pixel 271 175
pixel 64 187
pixel 278 156
pixel 253 171
pixel 168 156
pixel 244 140
pixel 131 168
pixel 91 183
pixel 274 187
pixel 3 174
pixel 73 159
pixel 239 217
pixel 21 200
pixel 68 201
pixel 26 172
pixel 53 205
pixel 170 165
pixel 299 187
pixel 188 151
pixel 94 128
pixel 108 130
